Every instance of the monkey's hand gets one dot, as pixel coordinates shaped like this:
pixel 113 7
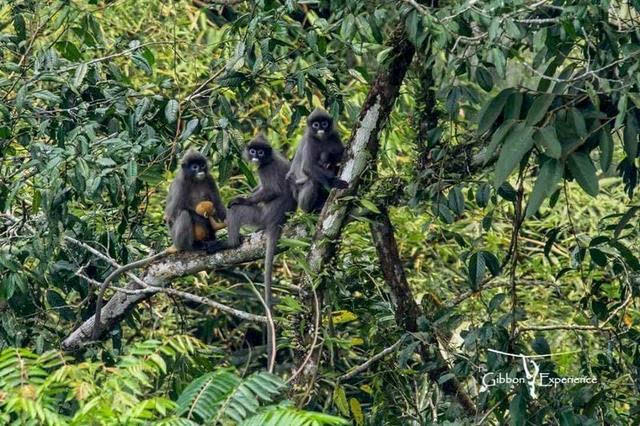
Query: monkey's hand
pixel 238 201
pixel 339 183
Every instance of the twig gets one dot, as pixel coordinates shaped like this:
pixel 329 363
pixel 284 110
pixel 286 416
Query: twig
pixel 271 327
pixel 370 361
pixel 564 327
pixel 316 306
pixel 198 299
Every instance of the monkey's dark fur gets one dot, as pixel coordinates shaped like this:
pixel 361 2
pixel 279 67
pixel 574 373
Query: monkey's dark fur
pixel 315 165
pixel 266 208
pixel 192 184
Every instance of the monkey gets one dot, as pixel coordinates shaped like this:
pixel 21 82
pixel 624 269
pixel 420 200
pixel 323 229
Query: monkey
pixel 315 164
pixel 202 232
pixel 193 205
pixel 192 185
pixel 267 208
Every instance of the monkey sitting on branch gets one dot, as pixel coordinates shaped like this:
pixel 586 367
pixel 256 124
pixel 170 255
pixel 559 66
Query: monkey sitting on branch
pixel 194 212
pixel 315 165
pixel 267 208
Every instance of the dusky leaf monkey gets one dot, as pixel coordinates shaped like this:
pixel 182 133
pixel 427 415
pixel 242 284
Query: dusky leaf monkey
pixel 194 212
pixel 315 165
pixel 265 209
pixel 192 185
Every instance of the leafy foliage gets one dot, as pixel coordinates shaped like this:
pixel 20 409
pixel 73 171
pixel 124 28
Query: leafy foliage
pixel 509 167
pixel 34 386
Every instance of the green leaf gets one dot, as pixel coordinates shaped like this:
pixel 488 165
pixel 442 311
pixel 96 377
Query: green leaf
pixel 68 50
pixel 513 106
pixel 496 139
pixel 347 30
pixel 549 176
pixel 553 235
pixel 106 162
pixel 518 143
pixel 606 149
pixel 492 262
pixel 484 78
pixel 456 200
pixel 171 110
pixel 477 269
pixel 539 39
pixel 142 63
pixel 496 301
pixel 584 172
pixel 492 110
pixel 340 400
pixel 627 254
pixel 547 139
pixel 81 72
pixel 483 194
pixel 191 126
pixel 578 122
pixel 445 213
pixel 598 257
pixel 369 206
pixel 624 220
pixel 630 136
pixel 518 408
pixel 622 110
pixel 45 95
pixel 539 108
pixel 498 59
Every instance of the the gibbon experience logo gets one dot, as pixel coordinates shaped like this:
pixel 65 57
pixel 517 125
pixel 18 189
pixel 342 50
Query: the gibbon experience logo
pixel 533 377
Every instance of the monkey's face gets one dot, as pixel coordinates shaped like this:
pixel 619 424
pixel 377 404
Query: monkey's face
pixel 320 127
pixel 258 154
pixel 196 170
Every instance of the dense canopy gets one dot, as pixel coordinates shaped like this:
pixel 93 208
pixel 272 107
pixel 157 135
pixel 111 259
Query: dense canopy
pixel 481 267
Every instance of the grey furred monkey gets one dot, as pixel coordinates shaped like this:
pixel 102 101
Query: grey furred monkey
pixel 192 185
pixel 193 205
pixel 267 208
pixel 315 165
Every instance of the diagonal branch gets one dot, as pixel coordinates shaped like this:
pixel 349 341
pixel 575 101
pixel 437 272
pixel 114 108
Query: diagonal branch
pixel 359 165
pixel 159 275
pixel 408 311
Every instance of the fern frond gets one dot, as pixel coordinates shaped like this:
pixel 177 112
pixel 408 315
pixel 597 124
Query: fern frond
pixel 287 415
pixel 222 394
pixel 243 400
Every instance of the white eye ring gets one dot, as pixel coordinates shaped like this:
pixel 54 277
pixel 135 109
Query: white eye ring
pixel 316 125
pixel 252 151
pixel 260 153
pixel 325 124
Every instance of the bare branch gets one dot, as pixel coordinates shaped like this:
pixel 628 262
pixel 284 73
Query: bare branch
pixel 160 273
pixel 360 368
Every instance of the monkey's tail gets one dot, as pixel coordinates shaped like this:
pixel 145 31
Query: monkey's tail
pixel 112 276
pixel 270 252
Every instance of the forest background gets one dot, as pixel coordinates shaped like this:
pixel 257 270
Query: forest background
pixel 492 156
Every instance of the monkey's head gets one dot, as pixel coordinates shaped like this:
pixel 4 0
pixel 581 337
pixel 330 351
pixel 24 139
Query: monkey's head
pixel 258 151
pixel 194 165
pixel 320 123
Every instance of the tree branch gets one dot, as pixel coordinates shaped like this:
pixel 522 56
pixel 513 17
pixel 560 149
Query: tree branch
pixel 160 273
pixel 408 311
pixel 360 160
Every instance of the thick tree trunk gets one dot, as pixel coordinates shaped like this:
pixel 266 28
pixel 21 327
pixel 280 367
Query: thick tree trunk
pixel 360 160
pixel 407 310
